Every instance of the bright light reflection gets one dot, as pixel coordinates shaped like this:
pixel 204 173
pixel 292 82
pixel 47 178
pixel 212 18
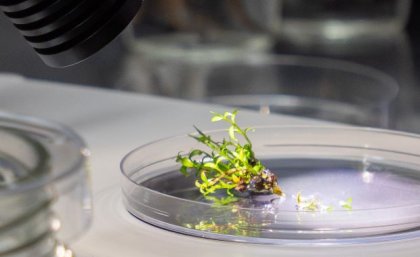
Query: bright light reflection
pixel 55 224
pixel 85 152
pixel 367 176
pixel 265 109
pixel 62 251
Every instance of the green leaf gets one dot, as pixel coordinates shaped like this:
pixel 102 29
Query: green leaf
pixel 235 178
pixel 229 193
pixel 246 130
pixel 194 153
pixel 216 118
pixel 187 163
pixel 347 204
pixel 203 176
pixel 222 167
pixel 226 115
pixel 184 171
pixel 210 166
pixel 233 116
pixel 241 154
pixel 232 133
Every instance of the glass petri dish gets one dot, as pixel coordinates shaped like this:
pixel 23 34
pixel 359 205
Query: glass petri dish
pixel 176 64
pixel 312 87
pixel 368 180
pixel 198 49
pixel 320 21
pixel 44 195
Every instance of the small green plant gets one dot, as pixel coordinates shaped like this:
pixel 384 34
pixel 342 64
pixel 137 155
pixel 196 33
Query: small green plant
pixel 311 204
pixel 347 204
pixel 314 204
pixel 229 165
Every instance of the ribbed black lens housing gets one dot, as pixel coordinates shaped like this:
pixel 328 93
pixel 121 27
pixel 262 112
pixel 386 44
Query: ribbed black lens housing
pixel 65 32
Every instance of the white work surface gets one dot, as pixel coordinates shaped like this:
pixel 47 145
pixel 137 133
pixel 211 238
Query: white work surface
pixel 113 123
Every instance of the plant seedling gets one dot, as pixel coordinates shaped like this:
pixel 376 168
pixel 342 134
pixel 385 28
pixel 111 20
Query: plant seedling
pixel 229 165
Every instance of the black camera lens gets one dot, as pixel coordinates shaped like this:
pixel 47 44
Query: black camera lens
pixel 65 32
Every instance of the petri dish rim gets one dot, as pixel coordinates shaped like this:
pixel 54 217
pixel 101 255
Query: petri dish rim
pixel 126 176
pixel 404 234
pixel 392 86
pixel 40 126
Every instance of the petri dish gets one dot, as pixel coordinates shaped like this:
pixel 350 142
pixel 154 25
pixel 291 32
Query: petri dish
pixel 319 21
pixel 374 171
pixel 176 64
pixel 44 193
pixel 311 87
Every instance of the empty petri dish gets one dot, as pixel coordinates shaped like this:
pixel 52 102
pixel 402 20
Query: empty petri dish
pixel 312 87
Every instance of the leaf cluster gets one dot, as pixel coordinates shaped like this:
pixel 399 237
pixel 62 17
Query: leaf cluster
pixel 229 165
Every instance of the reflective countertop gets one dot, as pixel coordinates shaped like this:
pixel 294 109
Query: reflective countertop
pixel 113 123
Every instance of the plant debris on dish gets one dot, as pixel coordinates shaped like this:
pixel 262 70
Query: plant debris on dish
pixel 230 167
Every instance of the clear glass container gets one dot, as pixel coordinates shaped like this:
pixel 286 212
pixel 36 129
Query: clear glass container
pixel 306 20
pixel 320 88
pixel 374 171
pixel 44 193
pixel 313 87
pixel 176 64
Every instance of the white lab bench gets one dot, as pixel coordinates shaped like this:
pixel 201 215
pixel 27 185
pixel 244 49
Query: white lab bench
pixel 112 123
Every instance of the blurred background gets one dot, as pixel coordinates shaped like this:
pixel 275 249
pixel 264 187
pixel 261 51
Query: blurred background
pixel 352 61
